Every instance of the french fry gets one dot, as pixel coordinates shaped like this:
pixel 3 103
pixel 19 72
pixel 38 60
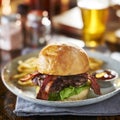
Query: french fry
pixel 26 67
pixel 95 63
pixel 26 83
pixel 19 75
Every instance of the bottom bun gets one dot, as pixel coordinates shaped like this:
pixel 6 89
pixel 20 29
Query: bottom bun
pixel 81 96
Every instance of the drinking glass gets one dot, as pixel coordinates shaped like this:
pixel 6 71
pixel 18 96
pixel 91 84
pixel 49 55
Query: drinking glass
pixel 94 16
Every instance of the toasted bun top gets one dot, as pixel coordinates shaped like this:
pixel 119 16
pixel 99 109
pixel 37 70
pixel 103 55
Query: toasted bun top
pixel 62 59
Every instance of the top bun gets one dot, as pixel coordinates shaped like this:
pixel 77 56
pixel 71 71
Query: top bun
pixel 63 60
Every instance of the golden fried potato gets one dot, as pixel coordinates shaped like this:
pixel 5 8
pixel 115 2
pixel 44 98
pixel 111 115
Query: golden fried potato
pixel 24 68
pixel 26 83
pixel 95 64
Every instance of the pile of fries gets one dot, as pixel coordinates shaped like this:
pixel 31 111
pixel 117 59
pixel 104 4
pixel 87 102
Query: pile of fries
pixel 95 64
pixel 26 67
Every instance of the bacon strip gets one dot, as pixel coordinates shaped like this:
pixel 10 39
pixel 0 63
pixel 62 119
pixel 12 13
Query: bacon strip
pixel 94 85
pixel 42 94
pixel 29 76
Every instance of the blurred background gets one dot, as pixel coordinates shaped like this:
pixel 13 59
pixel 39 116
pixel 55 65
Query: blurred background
pixel 32 24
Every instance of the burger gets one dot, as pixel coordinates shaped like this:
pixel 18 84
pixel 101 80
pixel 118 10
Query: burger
pixel 62 73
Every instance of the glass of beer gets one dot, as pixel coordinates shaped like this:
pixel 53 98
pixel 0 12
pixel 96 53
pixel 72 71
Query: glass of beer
pixel 94 15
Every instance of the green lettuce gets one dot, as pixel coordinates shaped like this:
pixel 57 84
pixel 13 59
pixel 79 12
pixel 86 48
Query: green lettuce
pixel 67 92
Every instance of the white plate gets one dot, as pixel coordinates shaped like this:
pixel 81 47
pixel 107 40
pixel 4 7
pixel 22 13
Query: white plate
pixel 28 93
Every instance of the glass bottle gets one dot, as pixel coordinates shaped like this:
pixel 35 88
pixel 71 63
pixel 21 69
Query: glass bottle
pixel 38 28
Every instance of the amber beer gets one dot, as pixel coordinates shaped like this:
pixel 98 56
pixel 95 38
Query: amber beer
pixel 94 15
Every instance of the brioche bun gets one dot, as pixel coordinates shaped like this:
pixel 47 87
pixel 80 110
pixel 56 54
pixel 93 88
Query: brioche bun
pixel 81 96
pixel 62 59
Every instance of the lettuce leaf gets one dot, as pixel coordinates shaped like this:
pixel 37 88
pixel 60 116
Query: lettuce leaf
pixel 67 92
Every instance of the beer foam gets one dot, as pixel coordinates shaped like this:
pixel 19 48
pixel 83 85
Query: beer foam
pixel 93 4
